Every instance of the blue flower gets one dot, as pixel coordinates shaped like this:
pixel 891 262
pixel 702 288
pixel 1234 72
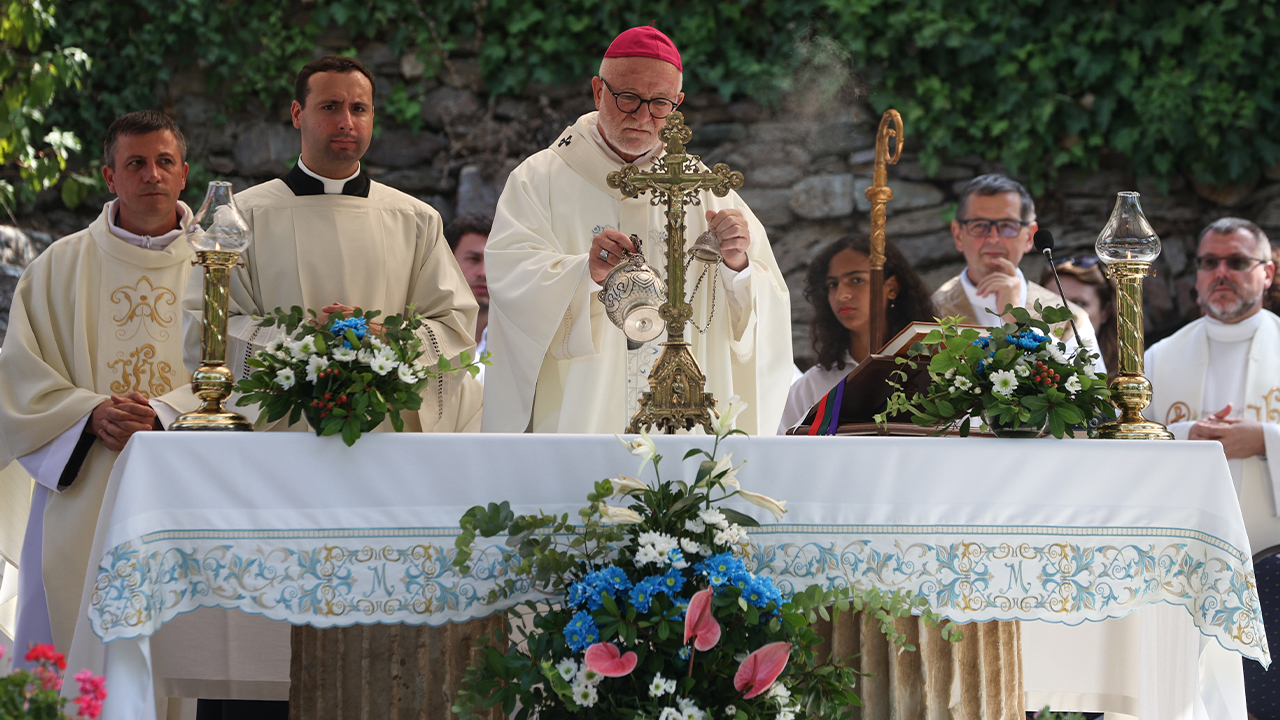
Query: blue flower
pixel 357 325
pixel 685 652
pixel 671 582
pixel 721 569
pixel 761 591
pixel 982 343
pixel 643 592
pixel 581 632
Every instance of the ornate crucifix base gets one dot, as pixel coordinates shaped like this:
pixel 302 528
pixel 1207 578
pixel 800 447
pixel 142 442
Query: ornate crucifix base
pixel 677 400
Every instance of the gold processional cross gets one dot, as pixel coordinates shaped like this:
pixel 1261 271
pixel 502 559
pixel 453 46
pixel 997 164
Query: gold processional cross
pixel 676 398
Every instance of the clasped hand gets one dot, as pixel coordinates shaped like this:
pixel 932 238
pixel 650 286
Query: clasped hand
pixel 375 328
pixel 117 419
pixel 1240 438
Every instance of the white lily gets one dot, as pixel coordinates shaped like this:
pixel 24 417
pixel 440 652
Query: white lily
pixel 619 515
pixel 643 447
pixel 624 484
pixel 723 424
pixel 777 507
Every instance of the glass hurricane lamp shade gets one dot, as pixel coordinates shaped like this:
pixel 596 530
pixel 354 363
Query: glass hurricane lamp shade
pixel 218 225
pixel 1127 246
pixel 1128 236
pixel 218 233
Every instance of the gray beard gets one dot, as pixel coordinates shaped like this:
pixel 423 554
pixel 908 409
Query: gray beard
pixel 1232 314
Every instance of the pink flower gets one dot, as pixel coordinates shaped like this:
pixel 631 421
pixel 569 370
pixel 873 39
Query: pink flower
pixel 761 668
pixel 1 652
pixel 92 692
pixel 700 624
pixel 606 659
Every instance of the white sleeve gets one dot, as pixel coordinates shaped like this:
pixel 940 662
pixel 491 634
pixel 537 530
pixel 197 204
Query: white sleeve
pixel 739 289
pixel 47 464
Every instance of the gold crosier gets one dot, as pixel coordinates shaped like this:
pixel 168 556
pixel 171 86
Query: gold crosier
pixel 676 398
pixel 880 194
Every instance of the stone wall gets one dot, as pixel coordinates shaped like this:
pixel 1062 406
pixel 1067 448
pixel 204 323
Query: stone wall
pixel 807 163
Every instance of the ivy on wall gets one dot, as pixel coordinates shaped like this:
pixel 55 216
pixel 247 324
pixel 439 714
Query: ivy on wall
pixel 1177 88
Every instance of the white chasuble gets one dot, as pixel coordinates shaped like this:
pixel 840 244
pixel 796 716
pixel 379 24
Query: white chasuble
pixel 383 250
pixel 92 316
pixel 1198 370
pixel 559 364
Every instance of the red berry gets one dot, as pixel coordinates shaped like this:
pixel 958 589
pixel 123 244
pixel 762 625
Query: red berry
pixel 342 400
pixel 323 413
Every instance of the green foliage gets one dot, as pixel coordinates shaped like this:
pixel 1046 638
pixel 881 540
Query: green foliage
pixel 344 375
pixel 1017 375
pixel 595 573
pixel 1041 86
pixel 35 66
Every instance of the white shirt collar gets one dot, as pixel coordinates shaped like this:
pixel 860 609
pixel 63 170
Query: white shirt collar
pixel 158 242
pixel 980 302
pixel 1233 332
pixel 331 186
pixel 593 124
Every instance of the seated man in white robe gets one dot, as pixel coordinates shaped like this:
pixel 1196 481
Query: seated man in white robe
pixel 329 239
pixel 1218 378
pixel 94 335
pixel 559 364
pixel 994 228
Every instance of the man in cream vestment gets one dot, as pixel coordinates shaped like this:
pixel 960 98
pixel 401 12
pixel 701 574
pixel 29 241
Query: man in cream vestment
pixel 559 364
pixel 327 238
pixel 994 227
pixel 94 333
pixel 1218 378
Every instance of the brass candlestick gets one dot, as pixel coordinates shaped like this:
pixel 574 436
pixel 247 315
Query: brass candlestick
pixel 1127 246
pixel 880 194
pixel 676 398
pixel 219 234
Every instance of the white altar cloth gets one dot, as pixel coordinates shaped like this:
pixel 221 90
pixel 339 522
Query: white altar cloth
pixel 306 530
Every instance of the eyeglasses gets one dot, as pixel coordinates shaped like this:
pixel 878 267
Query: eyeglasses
pixel 977 228
pixel 1084 263
pixel 1236 263
pixel 631 102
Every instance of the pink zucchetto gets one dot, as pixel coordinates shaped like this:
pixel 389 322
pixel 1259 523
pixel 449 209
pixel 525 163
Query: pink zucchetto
pixel 645 41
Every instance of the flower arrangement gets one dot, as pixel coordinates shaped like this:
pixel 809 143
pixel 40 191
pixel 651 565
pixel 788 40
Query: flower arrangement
pixel 35 694
pixel 1017 376
pixel 651 611
pixel 345 375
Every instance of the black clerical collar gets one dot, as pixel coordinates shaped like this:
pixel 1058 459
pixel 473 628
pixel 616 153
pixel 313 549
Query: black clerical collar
pixel 303 184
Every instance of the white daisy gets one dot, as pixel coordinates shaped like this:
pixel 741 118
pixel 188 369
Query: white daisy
pixel 1003 382
pixel 285 378
pixel 690 546
pixel 712 517
pixel 1072 384
pixel 646 555
pixel 1022 369
pixel 658 687
pixel 344 354
pixel 694 526
pixel 1056 353
pixel 307 345
pixel 315 365
pixel 961 383
pixel 730 711
pixel 382 365
pixel 585 694
pixel 669 713
pixel 567 669
pixel 405 374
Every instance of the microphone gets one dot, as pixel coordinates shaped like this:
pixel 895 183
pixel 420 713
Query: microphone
pixel 1044 243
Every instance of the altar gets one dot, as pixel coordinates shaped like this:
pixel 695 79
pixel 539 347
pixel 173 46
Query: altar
pixel 304 530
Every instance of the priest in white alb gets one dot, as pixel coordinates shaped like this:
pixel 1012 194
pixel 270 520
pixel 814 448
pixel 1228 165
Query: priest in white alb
pixel 329 239
pixel 1218 378
pixel 559 364
pixel 94 337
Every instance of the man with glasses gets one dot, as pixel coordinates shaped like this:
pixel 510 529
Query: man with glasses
pixel 994 226
pixel 1218 378
pixel 559 365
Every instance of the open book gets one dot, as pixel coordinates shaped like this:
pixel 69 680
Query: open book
pixel 866 390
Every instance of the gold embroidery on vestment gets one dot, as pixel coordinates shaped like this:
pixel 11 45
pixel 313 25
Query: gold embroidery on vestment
pixel 1272 401
pixel 144 303
pixel 140 371
pixel 1178 412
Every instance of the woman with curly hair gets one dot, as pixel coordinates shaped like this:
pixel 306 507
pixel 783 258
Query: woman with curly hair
pixel 1084 284
pixel 838 285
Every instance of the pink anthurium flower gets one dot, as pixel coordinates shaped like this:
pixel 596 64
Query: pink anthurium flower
pixel 757 673
pixel 606 659
pixel 699 623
